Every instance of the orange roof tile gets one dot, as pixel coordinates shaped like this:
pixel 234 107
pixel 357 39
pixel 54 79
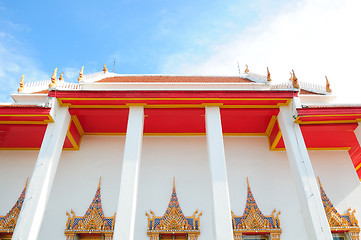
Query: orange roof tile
pixel 187 79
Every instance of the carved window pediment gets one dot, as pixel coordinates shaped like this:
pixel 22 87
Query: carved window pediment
pixel 339 222
pixel 253 222
pixel 8 222
pixel 93 225
pixel 173 224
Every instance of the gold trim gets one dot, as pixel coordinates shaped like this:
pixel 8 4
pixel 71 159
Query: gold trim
pixel 276 141
pixel 358 167
pixel 271 125
pixel 176 134
pixel 77 124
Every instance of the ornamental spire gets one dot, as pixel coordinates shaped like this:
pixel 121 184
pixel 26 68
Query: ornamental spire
pixel 21 88
pixel 251 204
pixel 173 204
pixel 328 89
pixel 80 78
pixel 61 77
pixel 246 70
pixel 105 69
pixel 295 80
pixel 53 79
pixel 268 75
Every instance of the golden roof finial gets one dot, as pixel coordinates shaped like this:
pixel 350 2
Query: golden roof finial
pixel 100 181
pixel 21 88
pixel 26 184
pixel 319 181
pixel 61 77
pixel 173 182
pixel 268 75
pixel 105 69
pixel 53 79
pixel 328 89
pixel 80 78
pixel 291 77
pixel 247 182
pixel 246 70
pixel 295 80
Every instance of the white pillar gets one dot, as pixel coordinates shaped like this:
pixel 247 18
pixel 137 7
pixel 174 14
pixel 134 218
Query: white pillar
pixel 125 218
pixel 39 188
pixel 306 186
pixel 222 219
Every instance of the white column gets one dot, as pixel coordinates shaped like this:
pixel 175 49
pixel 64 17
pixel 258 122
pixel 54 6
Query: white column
pixel 39 188
pixel 222 219
pixel 306 186
pixel 125 218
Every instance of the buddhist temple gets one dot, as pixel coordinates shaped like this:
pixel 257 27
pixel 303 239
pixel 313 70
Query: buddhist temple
pixel 210 133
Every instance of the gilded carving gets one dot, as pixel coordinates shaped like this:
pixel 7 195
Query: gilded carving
pixel 93 222
pixel 253 221
pixel 173 221
pixel 8 222
pixel 340 222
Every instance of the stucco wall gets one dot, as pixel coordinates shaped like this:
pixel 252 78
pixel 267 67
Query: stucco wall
pixel 186 159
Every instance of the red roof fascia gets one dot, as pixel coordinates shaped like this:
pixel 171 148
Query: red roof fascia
pixel 174 94
pixel 344 110
pixel 24 110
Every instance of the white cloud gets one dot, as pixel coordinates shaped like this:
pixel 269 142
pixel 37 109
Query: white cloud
pixel 12 65
pixel 316 38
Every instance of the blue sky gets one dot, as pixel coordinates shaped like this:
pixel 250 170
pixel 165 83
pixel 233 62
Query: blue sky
pixel 172 37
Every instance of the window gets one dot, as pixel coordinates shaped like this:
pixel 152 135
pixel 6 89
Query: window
pixel 339 236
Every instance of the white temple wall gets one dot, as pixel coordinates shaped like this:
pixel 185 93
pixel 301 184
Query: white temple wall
pixel 339 179
pixel 270 179
pixel 77 179
pixel 15 168
pixel 185 158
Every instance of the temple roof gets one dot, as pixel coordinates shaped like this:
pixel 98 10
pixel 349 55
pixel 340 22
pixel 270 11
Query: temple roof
pixel 105 77
pixel 169 78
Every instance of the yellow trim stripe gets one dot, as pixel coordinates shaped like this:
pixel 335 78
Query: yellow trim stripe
pixel 70 136
pixel 318 149
pixel 271 124
pixel 176 134
pixel 133 99
pixel 277 139
pixel 358 167
pixel 327 122
pixel 77 124
pixel 45 121
pixel 24 122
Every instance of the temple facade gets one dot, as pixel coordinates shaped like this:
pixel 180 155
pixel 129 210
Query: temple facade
pixel 179 157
